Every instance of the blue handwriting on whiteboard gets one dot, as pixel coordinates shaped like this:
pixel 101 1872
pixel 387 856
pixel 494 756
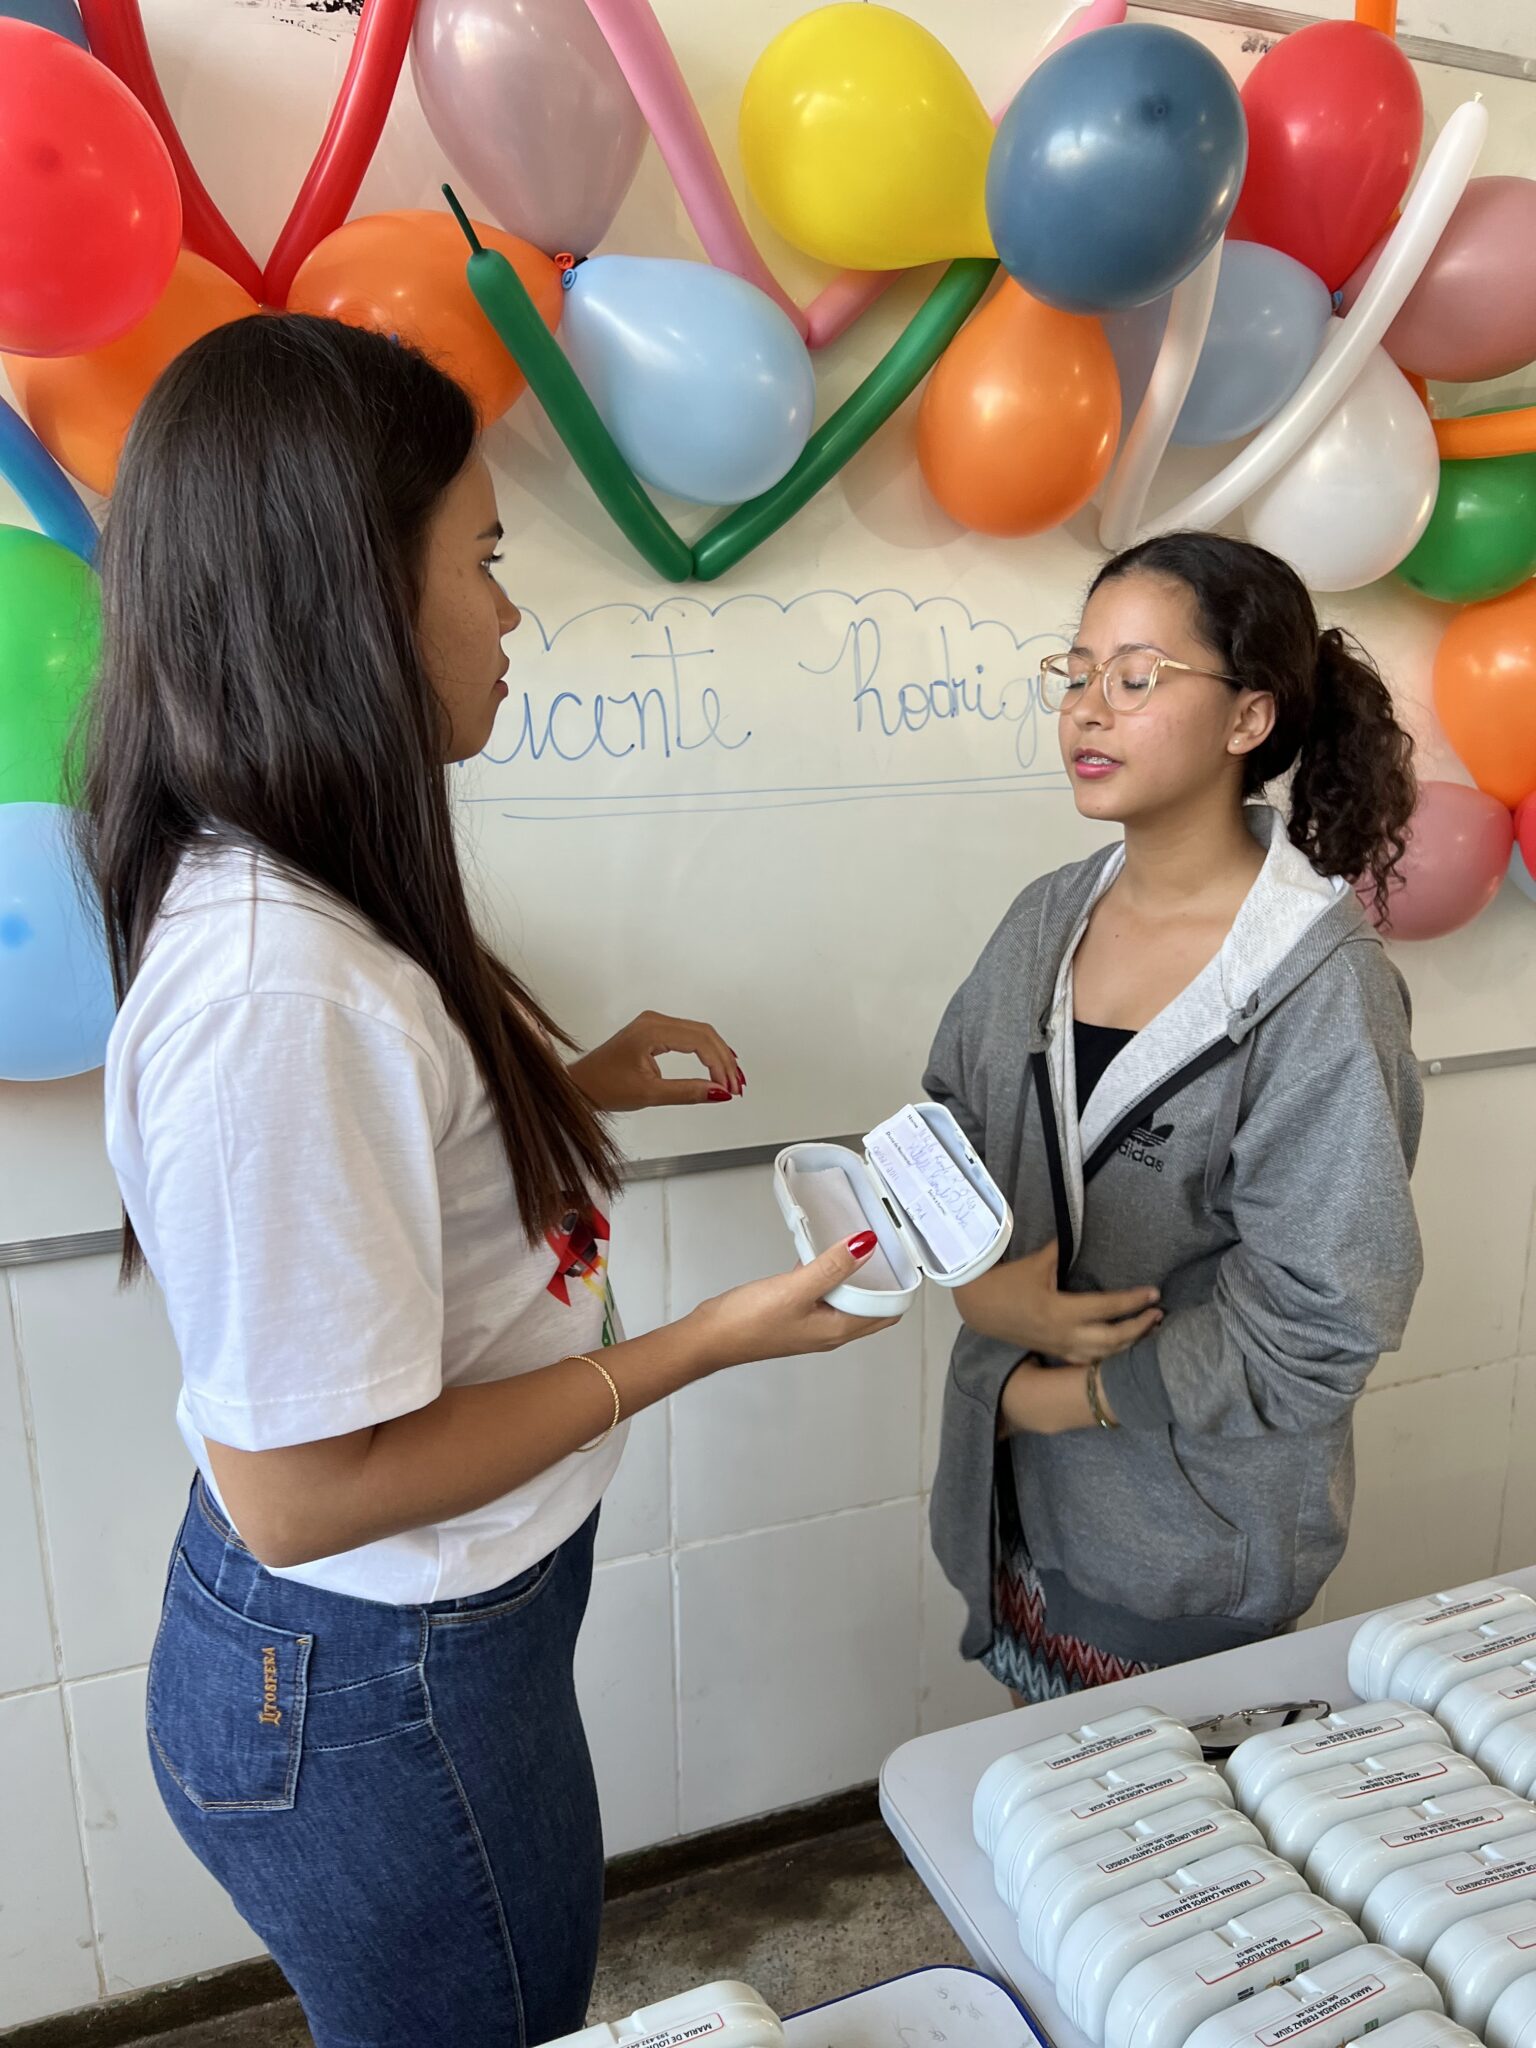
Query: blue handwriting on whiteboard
pixel 910 706
pixel 671 717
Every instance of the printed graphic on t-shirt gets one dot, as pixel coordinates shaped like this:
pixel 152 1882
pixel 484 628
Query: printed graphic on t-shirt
pixel 580 1245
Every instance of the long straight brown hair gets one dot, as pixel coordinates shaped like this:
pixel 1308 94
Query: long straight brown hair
pixel 262 685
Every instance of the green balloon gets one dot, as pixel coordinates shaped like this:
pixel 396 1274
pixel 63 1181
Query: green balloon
pixel 1481 536
pixel 50 645
pixel 503 299
pixel 889 384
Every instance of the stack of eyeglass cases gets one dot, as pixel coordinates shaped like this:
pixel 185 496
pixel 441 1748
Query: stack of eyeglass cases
pixel 1370 1871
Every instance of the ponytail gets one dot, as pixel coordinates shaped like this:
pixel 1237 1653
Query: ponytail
pixel 1353 788
pixel 1353 791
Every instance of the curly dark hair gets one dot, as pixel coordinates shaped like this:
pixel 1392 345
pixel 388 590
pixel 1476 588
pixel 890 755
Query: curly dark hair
pixel 1353 790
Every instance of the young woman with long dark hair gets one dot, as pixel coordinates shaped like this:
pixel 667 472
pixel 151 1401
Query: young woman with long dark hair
pixel 1187 1061
pixel 373 1192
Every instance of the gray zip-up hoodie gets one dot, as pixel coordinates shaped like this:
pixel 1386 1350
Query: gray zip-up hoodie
pixel 1249 1153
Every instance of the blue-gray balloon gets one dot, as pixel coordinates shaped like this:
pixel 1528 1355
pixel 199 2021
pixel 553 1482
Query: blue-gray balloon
pixel 700 378
pixel 1116 168
pixel 62 16
pixel 1267 325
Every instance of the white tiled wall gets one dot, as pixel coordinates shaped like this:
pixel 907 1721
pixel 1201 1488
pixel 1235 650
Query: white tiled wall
pixel 767 1622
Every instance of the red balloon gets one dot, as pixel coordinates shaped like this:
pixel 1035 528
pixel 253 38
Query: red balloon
pixel 1459 844
pixel 1335 118
pixel 90 217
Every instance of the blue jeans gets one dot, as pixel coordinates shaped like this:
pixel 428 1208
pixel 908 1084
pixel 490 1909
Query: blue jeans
pixel 399 1800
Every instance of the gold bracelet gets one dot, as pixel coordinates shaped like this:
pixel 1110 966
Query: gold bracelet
pixel 1095 1405
pixel 618 1406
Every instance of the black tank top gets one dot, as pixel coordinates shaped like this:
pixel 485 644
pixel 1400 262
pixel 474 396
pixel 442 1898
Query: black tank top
pixel 1094 1046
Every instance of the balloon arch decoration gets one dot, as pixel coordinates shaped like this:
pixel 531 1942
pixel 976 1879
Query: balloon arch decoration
pixel 1136 255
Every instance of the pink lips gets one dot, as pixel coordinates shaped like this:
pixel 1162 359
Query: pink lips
pixel 1090 767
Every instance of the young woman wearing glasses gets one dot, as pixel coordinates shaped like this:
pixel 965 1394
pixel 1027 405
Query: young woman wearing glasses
pixel 1187 1059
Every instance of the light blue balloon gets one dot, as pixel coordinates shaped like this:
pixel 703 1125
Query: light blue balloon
pixel 1135 337
pixel 1269 320
pixel 1267 324
pixel 700 378
pixel 62 16
pixel 56 1004
pixel 1521 875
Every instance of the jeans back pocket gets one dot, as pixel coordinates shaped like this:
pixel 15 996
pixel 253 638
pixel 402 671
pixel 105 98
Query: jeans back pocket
pixel 226 1701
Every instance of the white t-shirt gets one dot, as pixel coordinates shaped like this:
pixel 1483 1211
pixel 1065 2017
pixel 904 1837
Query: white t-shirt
pixel 312 1167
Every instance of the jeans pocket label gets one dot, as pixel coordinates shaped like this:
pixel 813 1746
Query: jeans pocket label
pixel 227 1699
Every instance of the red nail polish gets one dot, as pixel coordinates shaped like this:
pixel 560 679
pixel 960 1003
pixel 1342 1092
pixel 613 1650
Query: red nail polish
pixel 741 1077
pixel 718 1095
pixel 862 1245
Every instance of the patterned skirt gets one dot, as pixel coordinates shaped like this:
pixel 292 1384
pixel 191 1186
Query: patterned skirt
pixel 1027 1654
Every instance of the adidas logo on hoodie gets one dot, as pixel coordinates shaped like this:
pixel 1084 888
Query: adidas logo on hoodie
pixel 1144 1147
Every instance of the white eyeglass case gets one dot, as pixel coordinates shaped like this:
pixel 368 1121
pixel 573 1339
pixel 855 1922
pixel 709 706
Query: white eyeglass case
pixel 1265 1761
pixel 1060 1890
pixel 1477 1960
pixel 1509 1755
pixel 826 1194
pixel 1071 1814
pixel 1084 1752
pixel 723 2015
pixel 1388 1636
pixel 1350 1995
pixel 1428 1673
pixel 1296 1815
pixel 1353 1858
pixel 1101 1949
pixel 1161 2001
pixel 1512 2023
pixel 1471 1711
pixel 1423 2030
pixel 1411 1910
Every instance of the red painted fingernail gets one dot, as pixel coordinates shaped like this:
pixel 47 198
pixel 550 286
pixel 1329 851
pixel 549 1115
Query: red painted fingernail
pixel 862 1245
pixel 718 1095
pixel 741 1077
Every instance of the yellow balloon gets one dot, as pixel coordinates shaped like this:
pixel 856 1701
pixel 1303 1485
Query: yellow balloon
pixel 864 142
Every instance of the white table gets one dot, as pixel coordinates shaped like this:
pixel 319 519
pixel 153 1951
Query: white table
pixel 940 2008
pixel 926 1786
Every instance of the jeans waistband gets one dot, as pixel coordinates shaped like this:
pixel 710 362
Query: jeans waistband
pixel 203 1503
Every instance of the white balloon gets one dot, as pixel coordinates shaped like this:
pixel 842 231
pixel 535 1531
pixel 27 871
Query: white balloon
pixel 1348 508
pixel 1343 356
pixel 1189 315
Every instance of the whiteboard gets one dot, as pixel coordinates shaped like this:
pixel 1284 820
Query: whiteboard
pixel 797 801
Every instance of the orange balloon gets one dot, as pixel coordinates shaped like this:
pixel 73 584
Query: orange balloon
pixel 403 274
pixel 1489 433
pixel 81 407
pixel 1018 426
pixel 1485 692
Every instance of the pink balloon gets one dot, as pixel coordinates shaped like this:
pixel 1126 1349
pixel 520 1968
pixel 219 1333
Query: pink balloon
pixel 1525 833
pixel 1472 313
pixel 529 105
pixel 1458 854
